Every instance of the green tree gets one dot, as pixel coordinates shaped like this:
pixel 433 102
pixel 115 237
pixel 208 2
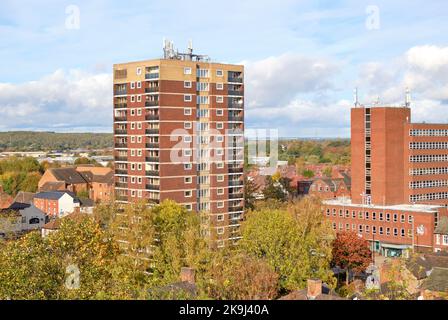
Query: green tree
pixel 294 242
pixel 274 190
pixel 30 183
pixel 250 188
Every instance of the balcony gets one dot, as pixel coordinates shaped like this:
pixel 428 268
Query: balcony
pixel 152 173
pixel 152 159
pixel 152 145
pixel 120 105
pixel 236 196
pixel 235 79
pixel 152 187
pixel 235 209
pixel 121 145
pixel 238 119
pixel 152 131
pixel 121 185
pixel 236 170
pixel 234 222
pixel 121 171
pixel 155 201
pixel 120 131
pixel 235 105
pixel 152 76
pixel 121 159
pixel 120 118
pixel 120 92
pixel 235 92
pixel 151 103
pixel 152 89
pixel 151 117
pixel 121 198
pixel 235 183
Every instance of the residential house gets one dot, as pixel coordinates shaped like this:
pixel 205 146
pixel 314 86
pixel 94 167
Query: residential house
pixel 328 188
pixel 56 203
pixel 315 290
pixel 441 235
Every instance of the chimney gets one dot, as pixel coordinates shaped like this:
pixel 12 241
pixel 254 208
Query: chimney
pixel 314 288
pixel 187 275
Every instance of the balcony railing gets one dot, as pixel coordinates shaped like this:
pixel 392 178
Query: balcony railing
pixel 151 76
pixel 121 145
pixel 152 131
pixel 121 158
pixel 120 105
pixel 235 93
pixel 235 105
pixel 236 170
pixel 121 171
pixel 121 198
pixel 235 79
pixel 152 187
pixel 156 201
pixel 120 131
pixel 235 209
pixel 121 185
pixel 235 183
pixel 152 173
pixel 152 89
pixel 120 92
pixel 152 145
pixel 121 118
pixel 152 103
pixel 239 119
pixel 152 117
pixel 236 196
pixel 152 159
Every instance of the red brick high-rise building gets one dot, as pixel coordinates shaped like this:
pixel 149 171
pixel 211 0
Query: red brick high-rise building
pixel 178 125
pixel 399 187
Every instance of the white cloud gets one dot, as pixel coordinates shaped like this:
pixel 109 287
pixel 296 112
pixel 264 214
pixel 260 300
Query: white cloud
pixel 62 100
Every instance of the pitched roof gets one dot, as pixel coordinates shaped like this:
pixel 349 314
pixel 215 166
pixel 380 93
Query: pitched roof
pixel 442 226
pixel 55 224
pixel 69 175
pixel 52 186
pixel 24 197
pixel 86 202
pixel 327 294
pixel 437 280
pixel 54 195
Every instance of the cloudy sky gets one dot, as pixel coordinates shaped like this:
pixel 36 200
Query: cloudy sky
pixel 302 58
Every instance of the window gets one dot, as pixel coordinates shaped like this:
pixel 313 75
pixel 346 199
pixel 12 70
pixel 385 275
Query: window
pixel 381 216
pixel 132 98
pixel 402 232
pixel 187 166
pixel 220 217
pixel 219 125
pixel 409 219
pixel 395 217
pixel 360 228
pixel 139 98
pixel 188 97
pixel 202 100
pixel 374 229
pixel 220 165
pixel 220 204
pixel 220 86
pixel 188 206
pixel 353 214
pixel 395 232
pixel 220 178
pixel 187 139
pixel 139 84
pixel 219 99
pixel 367 216
pixel 202 86
pixel 187 70
pixel 220 230
pixel 202 73
pixel 219 138
pixel 188 193
pixel 388 217
pixel 360 215
pixel 187 84
pixel 132 85
pixel 220 191
pixel 188 179
pixel 187 152
pixel 139 71
pixel 219 73
pixel 187 112
pixel 373 215
pixel 187 125
pixel 219 112
pixel 445 240
pixel 328 212
pixel 381 230
pixel 388 231
pixel 402 218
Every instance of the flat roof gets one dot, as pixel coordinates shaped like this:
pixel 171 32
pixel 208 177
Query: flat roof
pixel 398 207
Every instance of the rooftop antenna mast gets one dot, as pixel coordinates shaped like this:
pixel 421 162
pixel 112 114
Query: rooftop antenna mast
pixel 407 101
pixel 355 97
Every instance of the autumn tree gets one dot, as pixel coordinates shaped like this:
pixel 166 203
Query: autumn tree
pixel 250 188
pixel 350 252
pixel 237 276
pixel 274 190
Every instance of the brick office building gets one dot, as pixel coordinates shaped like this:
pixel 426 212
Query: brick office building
pixel 399 180
pixel 178 131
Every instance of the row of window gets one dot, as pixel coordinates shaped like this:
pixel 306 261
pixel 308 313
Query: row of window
pixel 367 228
pixel 444 239
pixel 366 215
pixel 429 158
pixel 428 196
pixel 428 133
pixel 427 171
pixel 428 145
pixel 428 184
